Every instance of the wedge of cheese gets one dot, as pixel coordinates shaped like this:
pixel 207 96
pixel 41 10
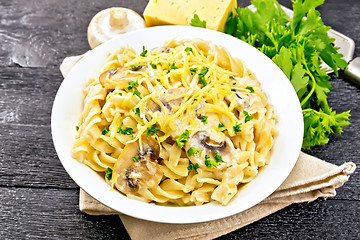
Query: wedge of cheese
pixel 180 12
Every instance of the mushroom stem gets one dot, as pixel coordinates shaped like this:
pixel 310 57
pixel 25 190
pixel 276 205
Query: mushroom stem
pixel 118 18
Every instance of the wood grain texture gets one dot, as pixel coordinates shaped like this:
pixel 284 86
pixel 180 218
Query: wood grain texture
pixel 40 201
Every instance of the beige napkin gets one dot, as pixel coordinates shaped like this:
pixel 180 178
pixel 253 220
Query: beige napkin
pixel 310 179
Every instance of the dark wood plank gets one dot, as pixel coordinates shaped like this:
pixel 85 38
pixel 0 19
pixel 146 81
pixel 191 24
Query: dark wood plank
pixel 52 214
pixel 28 158
pixel 42 33
pixel 27 94
pixel 318 220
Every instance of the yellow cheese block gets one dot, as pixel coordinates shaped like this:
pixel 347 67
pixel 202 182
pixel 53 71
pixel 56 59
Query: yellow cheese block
pixel 180 12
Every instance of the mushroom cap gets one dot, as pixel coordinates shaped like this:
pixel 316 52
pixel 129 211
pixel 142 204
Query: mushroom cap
pixel 131 175
pixel 112 22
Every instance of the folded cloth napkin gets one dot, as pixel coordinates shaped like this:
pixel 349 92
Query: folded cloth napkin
pixel 310 179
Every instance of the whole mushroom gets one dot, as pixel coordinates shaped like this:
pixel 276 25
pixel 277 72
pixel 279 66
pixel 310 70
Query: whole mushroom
pixel 112 22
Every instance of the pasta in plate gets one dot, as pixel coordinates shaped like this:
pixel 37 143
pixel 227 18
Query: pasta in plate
pixel 183 124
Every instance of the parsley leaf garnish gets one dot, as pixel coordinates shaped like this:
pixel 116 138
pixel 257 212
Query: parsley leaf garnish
pixel 213 163
pixel 188 49
pixel 201 75
pixel 77 128
pixel 184 137
pixel 135 158
pixel 120 93
pixel 237 128
pixel 193 166
pixel 192 151
pixel 218 158
pixel 126 131
pixel 210 163
pixel 172 66
pixel 105 131
pixel 204 119
pixel 151 130
pixel 251 89
pixel 144 52
pixel 196 22
pixel 193 70
pixel 137 93
pixel 221 125
pixel 108 173
pixel 153 65
pixel 132 84
pixel 248 117
pixel 137 111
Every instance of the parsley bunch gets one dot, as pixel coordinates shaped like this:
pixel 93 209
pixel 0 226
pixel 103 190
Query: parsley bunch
pixel 297 46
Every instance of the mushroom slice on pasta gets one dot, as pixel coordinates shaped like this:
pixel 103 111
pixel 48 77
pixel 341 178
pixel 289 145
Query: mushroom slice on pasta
pixel 137 166
pixel 119 76
pixel 212 144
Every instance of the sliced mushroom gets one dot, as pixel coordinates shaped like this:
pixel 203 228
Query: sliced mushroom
pixel 211 142
pixel 175 101
pixel 161 49
pixel 110 78
pixel 137 168
pixel 151 106
pixel 240 96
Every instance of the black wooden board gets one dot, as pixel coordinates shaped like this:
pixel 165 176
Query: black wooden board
pixel 38 198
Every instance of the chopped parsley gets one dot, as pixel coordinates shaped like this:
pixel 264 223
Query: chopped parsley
pixel 210 163
pixel 192 151
pixel 188 49
pixel 105 131
pixel 137 111
pixel 196 22
pixel 218 158
pixel 126 131
pixel 237 128
pixel 201 75
pixel 151 130
pixel 120 93
pixel 135 158
pixel 213 163
pixel 221 125
pixel 204 119
pixel 248 117
pixel 153 65
pixel 172 66
pixel 108 173
pixel 136 67
pixel 193 166
pixel 184 137
pixel 137 93
pixel 77 128
pixel 193 70
pixel 144 52
pixel 251 89
pixel 133 84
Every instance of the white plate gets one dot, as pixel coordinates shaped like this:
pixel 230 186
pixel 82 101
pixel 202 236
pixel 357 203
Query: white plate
pixel 67 109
